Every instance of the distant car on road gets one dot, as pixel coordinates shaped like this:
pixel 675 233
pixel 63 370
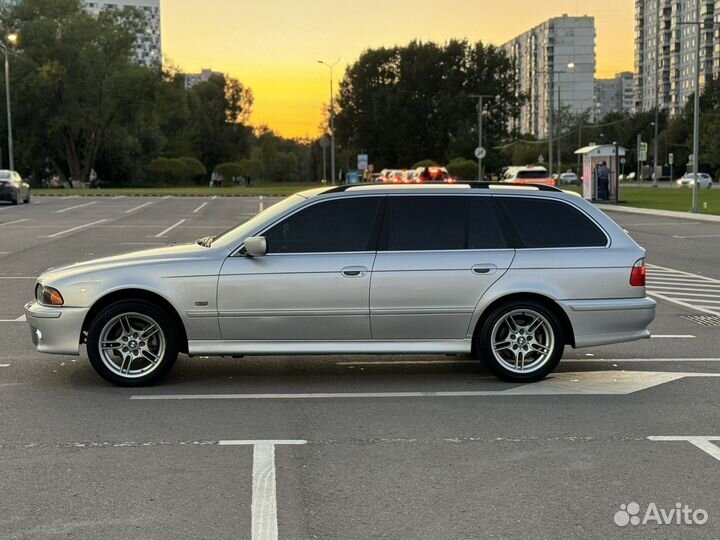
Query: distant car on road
pixel 529 175
pixel 704 180
pixel 569 178
pixel 13 188
pixel 510 273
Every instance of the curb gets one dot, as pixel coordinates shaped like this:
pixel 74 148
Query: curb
pixel 663 213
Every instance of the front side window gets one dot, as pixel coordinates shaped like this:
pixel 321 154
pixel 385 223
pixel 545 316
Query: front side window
pixel 422 223
pixel 548 224
pixel 341 225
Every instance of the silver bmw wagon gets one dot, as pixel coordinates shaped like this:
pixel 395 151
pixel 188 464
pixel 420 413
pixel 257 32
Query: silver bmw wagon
pixel 511 274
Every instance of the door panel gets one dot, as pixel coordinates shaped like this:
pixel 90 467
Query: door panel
pixel 437 257
pixel 295 297
pixel 430 295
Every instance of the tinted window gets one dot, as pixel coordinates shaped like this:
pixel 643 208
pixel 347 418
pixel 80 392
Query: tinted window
pixel 438 223
pixel 542 223
pixel 532 174
pixel 332 226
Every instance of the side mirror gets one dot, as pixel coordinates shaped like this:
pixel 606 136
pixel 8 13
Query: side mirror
pixel 255 246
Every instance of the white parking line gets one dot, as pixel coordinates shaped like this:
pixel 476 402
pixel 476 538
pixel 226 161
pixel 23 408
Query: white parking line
pixel 669 336
pixel 138 207
pixel 166 197
pixel 4 365
pixel 75 207
pixel 79 227
pixel 264 486
pixel 13 222
pixel 18 277
pixel 561 383
pixel 697 236
pixel 170 228
pixel 203 205
pixel 21 318
pixel 626 360
pixel 701 442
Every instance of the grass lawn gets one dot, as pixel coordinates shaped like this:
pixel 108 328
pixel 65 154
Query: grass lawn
pixel 678 199
pixel 235 191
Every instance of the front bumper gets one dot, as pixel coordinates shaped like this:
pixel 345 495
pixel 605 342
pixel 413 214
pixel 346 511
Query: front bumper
pixel 604 322
pixel 55 330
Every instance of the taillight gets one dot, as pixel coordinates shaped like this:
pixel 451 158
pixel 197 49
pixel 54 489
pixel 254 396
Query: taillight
pixel 638 274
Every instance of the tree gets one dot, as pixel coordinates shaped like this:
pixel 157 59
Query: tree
pixel 403 104
pixel 463 169
pixel 77 82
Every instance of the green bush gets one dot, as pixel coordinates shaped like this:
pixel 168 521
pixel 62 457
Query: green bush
pixel 254 168
pixel 175 171
pixel 463 169
pixel 230 171
pixel 193 168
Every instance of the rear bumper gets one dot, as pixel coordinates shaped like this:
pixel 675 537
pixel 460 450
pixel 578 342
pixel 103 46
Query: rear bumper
pixel 604 322
pixel 55 330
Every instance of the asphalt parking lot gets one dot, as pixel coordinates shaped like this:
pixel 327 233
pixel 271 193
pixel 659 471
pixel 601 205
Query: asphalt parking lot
pixel 418 447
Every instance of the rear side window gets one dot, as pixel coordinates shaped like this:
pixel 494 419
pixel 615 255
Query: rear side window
pixel 547 224
pixel 441 223
pixel 341 225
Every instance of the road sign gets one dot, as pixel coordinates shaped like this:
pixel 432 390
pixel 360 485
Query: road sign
pixel 541 159
pixel 622 161
pixel 691 158
pixel 642 156
pixel 671 159
pixel 362 162
pixel 643 147
pixel 480 152
pixel 325 141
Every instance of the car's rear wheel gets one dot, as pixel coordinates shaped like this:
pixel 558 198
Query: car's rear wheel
pixel 16 200
pixel 132 343
pixel 521 341
pixel 26 200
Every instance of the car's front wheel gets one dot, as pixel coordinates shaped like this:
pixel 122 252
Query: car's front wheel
pixel 521 341
pixel 132 343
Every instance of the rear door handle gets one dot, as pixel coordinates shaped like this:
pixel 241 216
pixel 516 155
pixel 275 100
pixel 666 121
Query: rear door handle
pixel 354 271
pixel 484 269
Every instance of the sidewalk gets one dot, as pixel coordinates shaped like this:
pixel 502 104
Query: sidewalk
pixel 653 212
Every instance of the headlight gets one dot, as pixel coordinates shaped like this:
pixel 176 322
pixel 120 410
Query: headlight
pixel 48 296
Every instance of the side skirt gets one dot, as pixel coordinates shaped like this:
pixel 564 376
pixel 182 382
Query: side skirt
pixel 220 347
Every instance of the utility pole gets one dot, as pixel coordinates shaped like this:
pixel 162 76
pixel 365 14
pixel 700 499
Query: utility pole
pixel 657 92
pixel 551 102
pixel 480 151
pixel 332 118
pixel 696 111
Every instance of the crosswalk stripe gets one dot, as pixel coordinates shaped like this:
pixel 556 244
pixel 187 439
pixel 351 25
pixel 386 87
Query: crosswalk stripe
pixel 692 291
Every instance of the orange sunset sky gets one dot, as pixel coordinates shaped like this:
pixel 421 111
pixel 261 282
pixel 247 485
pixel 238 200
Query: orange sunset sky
pixel 273 46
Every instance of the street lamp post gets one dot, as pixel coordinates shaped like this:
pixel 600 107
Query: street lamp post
pixel 550 74
pixel 657 92
pixel 332 118
pixel 570 69
pixel 480 98
pixel 696 109
pixel 12 40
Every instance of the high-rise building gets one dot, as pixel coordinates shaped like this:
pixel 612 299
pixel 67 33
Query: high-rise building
pixel 554 63
pixel 614 95
pixel 148 48
pixel 193 79
pixel 665 46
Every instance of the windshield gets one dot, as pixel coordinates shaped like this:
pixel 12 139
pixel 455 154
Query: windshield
pixel 4 175
pixel 238 233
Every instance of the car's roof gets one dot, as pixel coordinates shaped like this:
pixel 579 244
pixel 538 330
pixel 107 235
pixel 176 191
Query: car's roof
pixel 435 187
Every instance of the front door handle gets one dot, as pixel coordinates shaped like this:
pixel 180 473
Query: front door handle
pixel 484 269
pixel 354 271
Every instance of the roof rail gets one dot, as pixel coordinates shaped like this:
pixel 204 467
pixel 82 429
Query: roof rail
pixel 473 184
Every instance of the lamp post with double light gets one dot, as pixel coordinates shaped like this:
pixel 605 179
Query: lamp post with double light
pixel 332 118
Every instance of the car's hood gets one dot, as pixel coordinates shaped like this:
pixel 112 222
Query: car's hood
pixel 161 255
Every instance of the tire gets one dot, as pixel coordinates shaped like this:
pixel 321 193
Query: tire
pixel 506 352
pixel 128 359
pixel 26 200
pixel 16 199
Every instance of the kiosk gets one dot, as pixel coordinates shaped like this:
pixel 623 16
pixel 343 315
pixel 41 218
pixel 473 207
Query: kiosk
pixel 593 156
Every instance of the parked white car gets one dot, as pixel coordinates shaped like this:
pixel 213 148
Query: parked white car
pixel 704 180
